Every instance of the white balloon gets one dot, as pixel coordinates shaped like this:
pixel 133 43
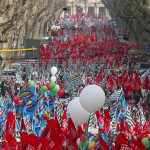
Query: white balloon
pixel 78 141
pixel 58 87
pixel 53 78
pixel 92 98
pixel 53 70
pixel 77 113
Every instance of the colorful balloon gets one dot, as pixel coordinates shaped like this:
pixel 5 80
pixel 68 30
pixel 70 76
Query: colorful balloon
pixel 54 90
pixel 92 98
pixel 145 142
pixel 52 85
pixel 31 83
pixel 77 113
pixel 16 99
pixel 58 87
pixel 48 86
pixel 55 94
pixel 53 70
pixel 44 88
pixel 61 92
pixel 53 79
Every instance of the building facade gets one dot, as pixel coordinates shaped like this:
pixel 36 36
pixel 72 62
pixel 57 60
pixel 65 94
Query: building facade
pixel 93 8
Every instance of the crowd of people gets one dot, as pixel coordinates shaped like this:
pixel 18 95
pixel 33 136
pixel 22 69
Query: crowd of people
pixel 30 107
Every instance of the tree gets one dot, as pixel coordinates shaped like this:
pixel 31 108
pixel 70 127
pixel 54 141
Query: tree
pixel 27 17
pixel 133 15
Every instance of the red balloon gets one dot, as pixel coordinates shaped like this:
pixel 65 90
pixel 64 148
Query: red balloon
pixel 16 99
pixel 61 92
pixel 48 86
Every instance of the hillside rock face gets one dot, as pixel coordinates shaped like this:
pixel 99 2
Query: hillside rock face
pixel 133 16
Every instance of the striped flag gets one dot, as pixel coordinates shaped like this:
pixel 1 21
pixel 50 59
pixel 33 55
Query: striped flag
pixel 92 121
pixel 142 117
pixel 28 71
pixel 113 125
pixel 129 118
pixel 115 96
pixel 59 111
pixel 113 108
pixel 74 94
pixel 102 83
pixel 93 66
pixel 75 81
pixel 70 64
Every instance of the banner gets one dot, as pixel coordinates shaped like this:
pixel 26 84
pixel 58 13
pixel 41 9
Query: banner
pixel 86 37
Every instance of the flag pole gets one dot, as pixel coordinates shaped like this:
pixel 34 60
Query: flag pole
pixel 84 135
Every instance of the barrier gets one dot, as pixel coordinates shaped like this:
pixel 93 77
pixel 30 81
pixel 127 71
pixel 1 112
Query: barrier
pixel 17 50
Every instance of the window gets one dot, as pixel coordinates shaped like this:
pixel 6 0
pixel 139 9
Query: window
pixel 102 12
pixel 79 9
pixel 91 11
pixel 68 10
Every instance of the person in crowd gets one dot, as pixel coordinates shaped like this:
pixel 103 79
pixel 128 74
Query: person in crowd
pixel 11 82
pixel 135 96
pixel 3 88
pixel 143 92
pixel 17 88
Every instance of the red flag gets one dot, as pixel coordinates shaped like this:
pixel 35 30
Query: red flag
pixel 51 142
pixel 127 127
pixel 122 142
pixel 99 116
pixel 52 136
pixel 79 131
pixel 146 82
pixel 23 126
pixel 146 126
pixel 137 144
pixel 104 146
pixel 23 136
pixel 117 127
pixel 64 122
pixel 136 128
pixel 32 142
pixel 5 145
pixel 84 126
pixel 107 120
pixel 71 132
pixel 10 124
pixel 122 125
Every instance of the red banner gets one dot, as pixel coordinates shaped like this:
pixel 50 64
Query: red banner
pixel 91 38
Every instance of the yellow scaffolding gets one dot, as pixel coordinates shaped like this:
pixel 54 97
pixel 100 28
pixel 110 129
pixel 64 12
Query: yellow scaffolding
pixel 17 50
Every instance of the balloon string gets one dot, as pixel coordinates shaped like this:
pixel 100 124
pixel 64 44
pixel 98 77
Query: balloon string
pixel 85 134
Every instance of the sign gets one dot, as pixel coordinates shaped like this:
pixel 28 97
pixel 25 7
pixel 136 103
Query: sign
pixel 93 130
pixel 86 37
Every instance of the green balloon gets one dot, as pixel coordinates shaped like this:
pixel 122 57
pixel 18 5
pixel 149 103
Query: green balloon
pixel 145 142
pixel 54 90
pixel 31 83
pixel 52 85
pixel 44 88
pixel 55 94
